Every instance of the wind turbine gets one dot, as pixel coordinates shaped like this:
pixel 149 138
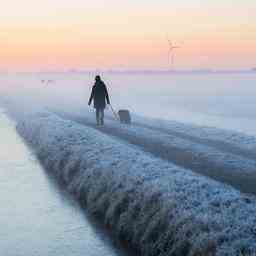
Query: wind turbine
pixel 172 48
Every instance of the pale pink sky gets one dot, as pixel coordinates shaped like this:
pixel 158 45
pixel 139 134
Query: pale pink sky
pixel 37 35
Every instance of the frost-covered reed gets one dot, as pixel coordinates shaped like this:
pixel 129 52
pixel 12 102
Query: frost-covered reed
pixel 154 206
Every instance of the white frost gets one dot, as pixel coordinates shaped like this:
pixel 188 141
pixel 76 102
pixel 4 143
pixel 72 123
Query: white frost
pixel 157 207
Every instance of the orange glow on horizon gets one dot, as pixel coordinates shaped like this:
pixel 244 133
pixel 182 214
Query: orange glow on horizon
pixel 96 38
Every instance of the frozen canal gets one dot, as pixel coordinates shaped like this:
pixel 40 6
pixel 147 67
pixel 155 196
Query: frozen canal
pixel 36 217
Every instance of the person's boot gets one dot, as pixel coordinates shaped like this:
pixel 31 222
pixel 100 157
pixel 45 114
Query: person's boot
pixel 102 121
pixel 98 122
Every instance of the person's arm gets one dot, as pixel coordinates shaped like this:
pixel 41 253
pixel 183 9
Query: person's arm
pixel 106 94
pixel 92 96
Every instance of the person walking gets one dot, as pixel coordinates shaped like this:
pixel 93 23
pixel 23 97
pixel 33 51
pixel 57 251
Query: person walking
pixel 99 95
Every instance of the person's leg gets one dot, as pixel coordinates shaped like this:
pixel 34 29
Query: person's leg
pixel 98 116
pixel 102 116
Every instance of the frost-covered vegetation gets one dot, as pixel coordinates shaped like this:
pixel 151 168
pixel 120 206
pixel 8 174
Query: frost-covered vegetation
pixel 210 135
pixel 155 206
pixel 215 158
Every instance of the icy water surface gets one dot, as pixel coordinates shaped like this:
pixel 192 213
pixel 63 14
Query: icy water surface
pixel 36 218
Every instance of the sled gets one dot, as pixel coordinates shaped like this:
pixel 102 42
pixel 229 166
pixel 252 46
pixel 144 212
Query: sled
pixel 123 115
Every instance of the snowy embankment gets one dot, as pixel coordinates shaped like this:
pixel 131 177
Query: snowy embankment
pixel 217 159
pixel 155 206
pixel 236 142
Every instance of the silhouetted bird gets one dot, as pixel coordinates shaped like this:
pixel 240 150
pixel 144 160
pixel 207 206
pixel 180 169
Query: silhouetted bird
pixel 99 95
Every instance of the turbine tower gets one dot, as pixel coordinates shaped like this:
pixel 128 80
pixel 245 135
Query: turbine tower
pixel 172 48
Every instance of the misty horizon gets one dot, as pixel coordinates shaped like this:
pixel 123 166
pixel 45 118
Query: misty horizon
pixel 136 71
pixel 61 35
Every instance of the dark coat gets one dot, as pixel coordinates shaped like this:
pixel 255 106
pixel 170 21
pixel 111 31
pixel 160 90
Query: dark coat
pixel 99 95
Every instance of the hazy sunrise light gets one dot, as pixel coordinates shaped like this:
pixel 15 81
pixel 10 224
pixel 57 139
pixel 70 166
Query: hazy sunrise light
pixel 38 35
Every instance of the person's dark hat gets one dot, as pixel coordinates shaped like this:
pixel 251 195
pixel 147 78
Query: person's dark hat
pixel 97 78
